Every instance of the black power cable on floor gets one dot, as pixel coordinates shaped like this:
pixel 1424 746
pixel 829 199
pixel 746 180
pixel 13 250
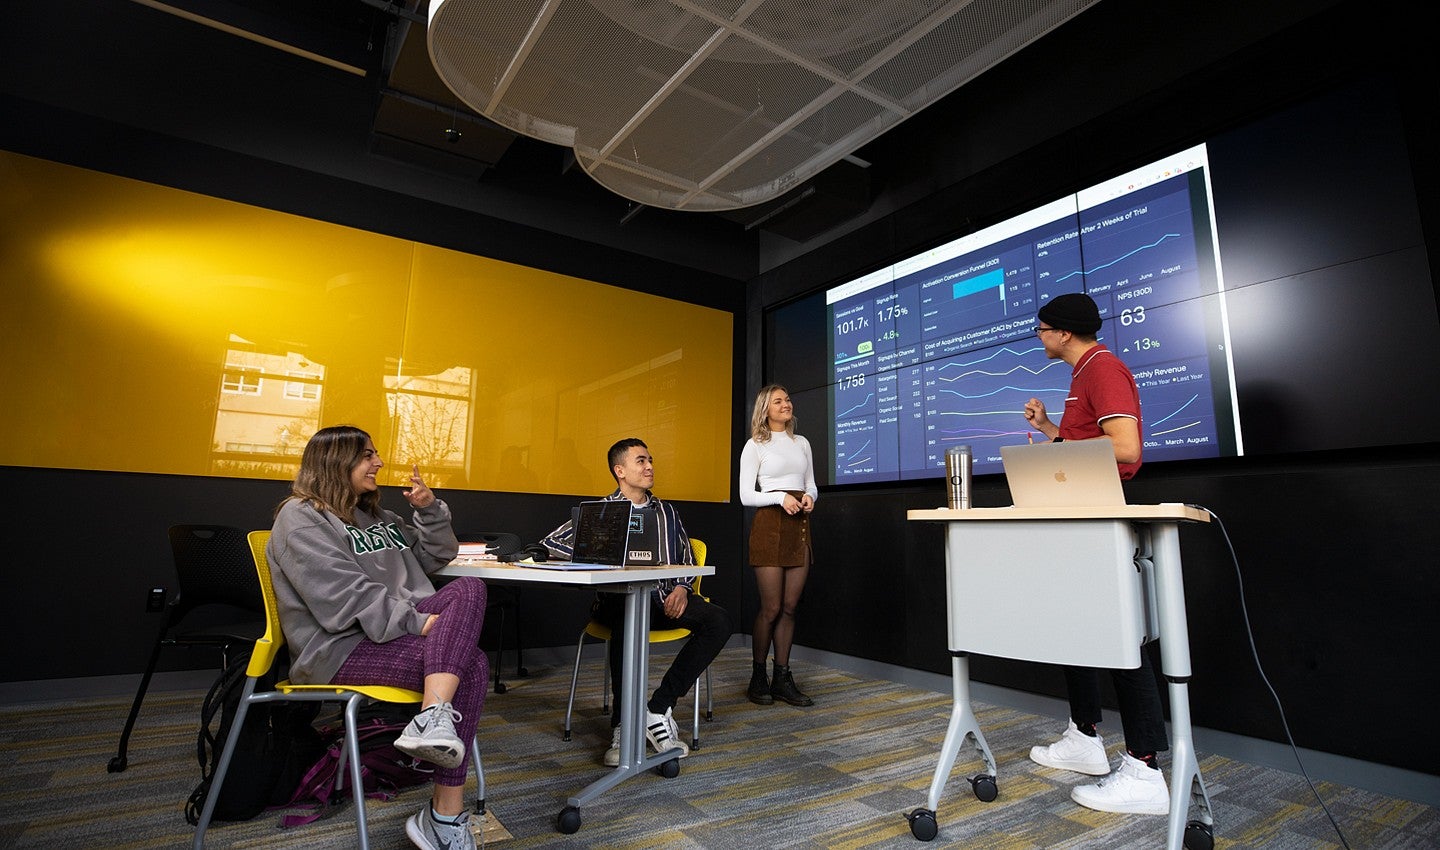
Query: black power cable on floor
pixel 1255 653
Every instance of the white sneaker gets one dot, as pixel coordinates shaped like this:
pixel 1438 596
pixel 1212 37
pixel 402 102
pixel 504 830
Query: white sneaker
pixel 1135 788
pixel 612 755
pixel 1074 751
pixel 663 734
pixel 430 736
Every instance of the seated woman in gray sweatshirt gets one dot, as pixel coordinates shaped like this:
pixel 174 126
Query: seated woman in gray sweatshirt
pixel 357 607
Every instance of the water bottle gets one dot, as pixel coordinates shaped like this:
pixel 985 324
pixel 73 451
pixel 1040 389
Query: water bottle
pixel 958 463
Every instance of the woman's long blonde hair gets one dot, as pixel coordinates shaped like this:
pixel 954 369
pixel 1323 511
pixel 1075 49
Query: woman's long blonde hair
pixel 324 476
pixel 759 420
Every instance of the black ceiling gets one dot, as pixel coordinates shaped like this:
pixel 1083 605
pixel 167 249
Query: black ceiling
pixel 415 119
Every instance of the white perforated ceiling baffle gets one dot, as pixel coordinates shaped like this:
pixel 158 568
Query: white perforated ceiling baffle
pixel 718 104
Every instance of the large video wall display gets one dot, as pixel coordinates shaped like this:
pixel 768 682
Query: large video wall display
pixel 940 350
pixel 1256 285
pixel 148 329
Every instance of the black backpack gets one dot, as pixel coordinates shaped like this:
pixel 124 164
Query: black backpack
pixel 277 744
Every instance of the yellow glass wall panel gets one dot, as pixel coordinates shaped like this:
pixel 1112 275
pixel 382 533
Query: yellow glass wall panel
pixel 565 367
pixel 148 329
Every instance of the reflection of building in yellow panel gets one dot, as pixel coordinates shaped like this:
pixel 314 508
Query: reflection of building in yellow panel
pixel 430 415
pixel 267 409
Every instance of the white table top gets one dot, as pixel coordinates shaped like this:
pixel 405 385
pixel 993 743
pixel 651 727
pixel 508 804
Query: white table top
pixel 1166 511
pixel 497 571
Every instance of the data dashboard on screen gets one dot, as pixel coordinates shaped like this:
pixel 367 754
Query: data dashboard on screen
pixel 940 349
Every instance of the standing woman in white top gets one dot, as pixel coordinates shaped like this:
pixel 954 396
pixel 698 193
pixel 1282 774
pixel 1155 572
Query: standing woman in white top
pixel 777 476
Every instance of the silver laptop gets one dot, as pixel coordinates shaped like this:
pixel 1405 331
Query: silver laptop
pixel 1069 474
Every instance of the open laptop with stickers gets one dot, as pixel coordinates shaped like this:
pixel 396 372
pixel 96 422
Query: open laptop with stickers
pixel 602 528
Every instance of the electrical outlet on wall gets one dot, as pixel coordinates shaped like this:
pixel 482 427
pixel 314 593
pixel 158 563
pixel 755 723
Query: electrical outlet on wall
pixel 155 601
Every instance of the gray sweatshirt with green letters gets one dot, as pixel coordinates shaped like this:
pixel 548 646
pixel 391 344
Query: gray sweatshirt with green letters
pixel 337 583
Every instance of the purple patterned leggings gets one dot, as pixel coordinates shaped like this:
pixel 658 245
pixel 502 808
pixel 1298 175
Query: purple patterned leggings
pixel 453 646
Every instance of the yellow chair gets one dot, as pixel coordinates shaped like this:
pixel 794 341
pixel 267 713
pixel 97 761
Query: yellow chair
pixel 598 631
pixel 262 658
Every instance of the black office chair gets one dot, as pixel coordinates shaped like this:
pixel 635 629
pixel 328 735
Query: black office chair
pixel 214 568
pixel 504 598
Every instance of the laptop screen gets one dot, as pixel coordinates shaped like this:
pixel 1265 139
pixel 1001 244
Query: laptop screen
pixel 601 530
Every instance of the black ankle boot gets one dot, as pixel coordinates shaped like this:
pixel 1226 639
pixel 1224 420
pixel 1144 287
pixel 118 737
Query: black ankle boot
pixel 782 687
pixel 759 685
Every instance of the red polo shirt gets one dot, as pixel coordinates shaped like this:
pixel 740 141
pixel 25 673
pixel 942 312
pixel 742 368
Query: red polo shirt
pixel 1100 387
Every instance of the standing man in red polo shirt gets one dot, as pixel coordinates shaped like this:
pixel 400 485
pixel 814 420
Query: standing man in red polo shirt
pixel 1103 402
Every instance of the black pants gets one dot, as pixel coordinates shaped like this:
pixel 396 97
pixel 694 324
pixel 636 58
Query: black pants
pixel 1141 716
pixel 709 627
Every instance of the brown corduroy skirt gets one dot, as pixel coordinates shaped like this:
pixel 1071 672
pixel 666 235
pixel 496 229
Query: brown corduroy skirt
pixel 778 539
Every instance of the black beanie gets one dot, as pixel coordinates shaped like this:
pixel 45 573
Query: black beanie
pixel 1074 312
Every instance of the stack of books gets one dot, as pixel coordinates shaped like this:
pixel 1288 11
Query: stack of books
pixel 476 552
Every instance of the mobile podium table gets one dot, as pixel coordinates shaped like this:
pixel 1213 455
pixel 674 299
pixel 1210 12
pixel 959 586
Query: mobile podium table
pixel 1076 586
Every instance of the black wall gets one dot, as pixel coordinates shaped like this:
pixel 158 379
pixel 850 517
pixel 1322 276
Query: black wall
pixel 1337 549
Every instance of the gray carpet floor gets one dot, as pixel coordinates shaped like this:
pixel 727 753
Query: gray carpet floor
pixel 839 775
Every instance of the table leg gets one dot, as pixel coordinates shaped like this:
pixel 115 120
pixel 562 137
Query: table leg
pixel 1186 784
pixel 923 824
pixel 962 723
pixel 635 654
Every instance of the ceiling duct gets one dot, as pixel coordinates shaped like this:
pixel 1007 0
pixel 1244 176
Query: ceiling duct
pixel 719 104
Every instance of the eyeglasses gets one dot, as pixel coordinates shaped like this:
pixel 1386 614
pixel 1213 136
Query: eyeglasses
pixel 1039 331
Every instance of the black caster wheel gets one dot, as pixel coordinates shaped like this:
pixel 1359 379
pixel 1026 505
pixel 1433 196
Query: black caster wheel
pixel 922 824
pixel 1199 836
pixel 669 769
pixel 984 787
pixel 117 764
pixel 501 687
pixel 522 672
pixel 568 821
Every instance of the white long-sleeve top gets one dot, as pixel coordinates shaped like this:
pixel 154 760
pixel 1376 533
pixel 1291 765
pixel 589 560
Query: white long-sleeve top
pixel 769 469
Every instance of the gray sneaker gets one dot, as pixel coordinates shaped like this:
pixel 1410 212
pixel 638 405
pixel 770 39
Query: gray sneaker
pixel 430 736
pixel 428 833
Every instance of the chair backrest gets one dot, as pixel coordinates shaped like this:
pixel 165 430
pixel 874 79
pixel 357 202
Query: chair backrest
pixel 214 567
pixel 262 658
pixel 697 547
